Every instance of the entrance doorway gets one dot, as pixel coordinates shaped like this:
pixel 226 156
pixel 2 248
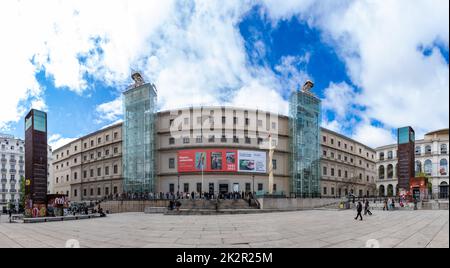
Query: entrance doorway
pixel 211 188
pixel 443 190
pixel 236 187
pixel 223 188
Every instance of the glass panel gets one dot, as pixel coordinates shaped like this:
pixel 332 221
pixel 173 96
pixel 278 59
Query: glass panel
pixel 139 142
pixel 39 121
pixel 304 127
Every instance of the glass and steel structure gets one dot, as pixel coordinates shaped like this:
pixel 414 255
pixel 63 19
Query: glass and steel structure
pixel 304 127
pixel 138 159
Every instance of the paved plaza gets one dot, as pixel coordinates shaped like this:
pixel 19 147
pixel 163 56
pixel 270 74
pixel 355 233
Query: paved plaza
pixel 313 228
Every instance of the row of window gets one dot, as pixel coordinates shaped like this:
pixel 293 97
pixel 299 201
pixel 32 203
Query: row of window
pixel 201 119
pixel 91 173
pixel 91 192
pixel 12 148
pixel 339 144
pixel 341 174
pixel 427 169
pixel 339 192
pixel 345 158
pixel 212 138
pixel 186 189
pixel 418 149
pixel 99 141
pixel 92 157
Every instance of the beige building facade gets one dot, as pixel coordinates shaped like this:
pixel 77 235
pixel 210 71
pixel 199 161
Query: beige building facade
pixel 90 168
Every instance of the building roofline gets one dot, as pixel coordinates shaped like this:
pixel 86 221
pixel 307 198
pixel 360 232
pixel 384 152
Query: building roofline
pixel 89 135
pixel 348 138
pixel 439 131
pixel 220 107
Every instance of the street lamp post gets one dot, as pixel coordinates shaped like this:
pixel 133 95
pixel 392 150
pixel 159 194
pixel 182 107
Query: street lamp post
pixel 253 185
pixel 178 187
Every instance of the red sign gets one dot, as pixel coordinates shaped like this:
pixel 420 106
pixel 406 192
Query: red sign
pixel 210 160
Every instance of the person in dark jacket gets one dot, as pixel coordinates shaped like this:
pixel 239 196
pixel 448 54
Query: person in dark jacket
pixel 366 208
pixel 359 210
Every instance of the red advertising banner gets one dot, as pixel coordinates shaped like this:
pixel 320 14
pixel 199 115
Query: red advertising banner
pixel 210 160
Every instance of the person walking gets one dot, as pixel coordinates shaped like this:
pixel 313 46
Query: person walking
pixel 366 208
pixel 359 210
pixel 10 215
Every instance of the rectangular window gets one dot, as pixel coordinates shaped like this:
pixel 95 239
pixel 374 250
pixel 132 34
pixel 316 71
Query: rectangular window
pixel 324 190
pixel 99 154
pixel 247 121
pixel 92 191
pixel 92 143
pixel 260 140
pixel 107 152
pixel 199 187
pixel 339 144
pixel 346 174
pixel 84 192
pixel 332 190
pixel 75 193
pixel 274 187
pixel 75 176
pixel 235 120
pixel 199 139
pixel 99 140
pixel 99 191
pixel 260 187
pixel 324 153
pixel 106 190
pixel 107 138
pixel 211 138
pixel 186 187
pixel 172 188
pixel 324 139
pixel 85 174
pixel 107 171
pixel 235 139
pixel 115 189
pixel 115 169
pixel 274 164
pixel 247 187
pixel 85 145
pixel 332 172
pixel 116 150
pixel 171 140
pixel 171 163
pixel 324 172
pixel 186 140
pixel 223 119
pixel 116 135
pixel 332 141
pixel 339 173
pixel 99 171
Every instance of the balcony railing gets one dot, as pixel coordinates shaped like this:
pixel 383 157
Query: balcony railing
pixel 3 181
pixel 12 170
pixel 3 170
pixel 13 191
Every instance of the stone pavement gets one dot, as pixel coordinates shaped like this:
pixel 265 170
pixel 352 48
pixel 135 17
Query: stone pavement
pixel 312 228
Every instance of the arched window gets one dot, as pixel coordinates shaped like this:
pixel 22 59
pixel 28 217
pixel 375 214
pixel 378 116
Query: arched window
pixel 418 150
pixel 418 167
pixel 428 167
pixel 390 190
pixel 443 165
pixel 443 148
pixel 390 171
pixel 381 156
pixel 428 149
pixel 443 190
pixel 381 172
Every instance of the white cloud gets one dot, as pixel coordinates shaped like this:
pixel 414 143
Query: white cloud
pixel 56 141
pixel 110 111
pixel 373 136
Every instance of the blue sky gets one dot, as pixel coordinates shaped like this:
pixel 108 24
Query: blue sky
pixel 369 69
